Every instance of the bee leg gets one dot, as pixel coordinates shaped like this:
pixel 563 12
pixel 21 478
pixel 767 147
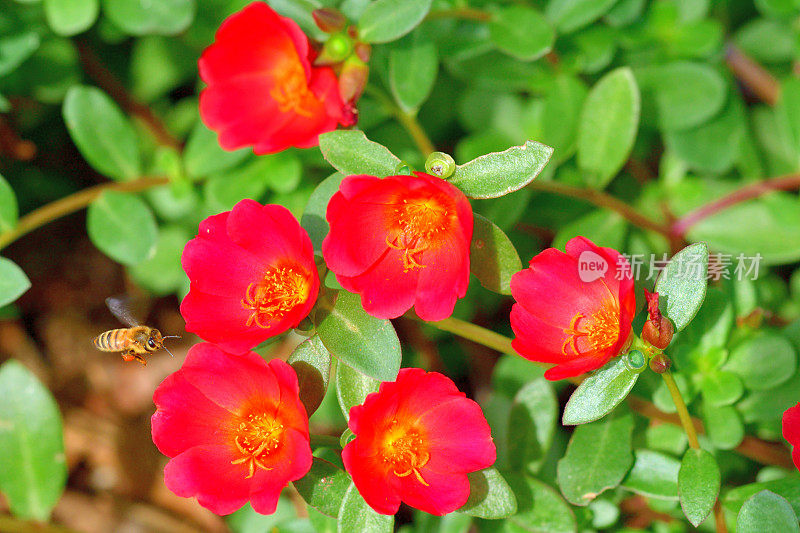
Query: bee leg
pixel 133 356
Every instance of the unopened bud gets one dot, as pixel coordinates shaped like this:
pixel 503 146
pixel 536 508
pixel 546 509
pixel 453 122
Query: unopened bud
pixel 660 363
pixel 353 79
pixel 329 20
pixel 440 164
pixel 363 51
pixel 335 50
pixel 658 332
pixel 635 361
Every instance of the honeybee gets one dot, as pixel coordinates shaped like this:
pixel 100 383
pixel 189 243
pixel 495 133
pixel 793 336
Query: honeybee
pixel 133 342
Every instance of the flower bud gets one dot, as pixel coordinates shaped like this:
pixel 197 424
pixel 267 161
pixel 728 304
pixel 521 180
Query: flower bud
pixel 658 333
pixel 353 79
pixel 440 164
pixel 635 361
pixel 660 363
pixel 335 50
pixel 328 19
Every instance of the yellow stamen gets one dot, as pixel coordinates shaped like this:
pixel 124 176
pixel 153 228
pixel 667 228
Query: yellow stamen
pixel 277 293
pixel 255 438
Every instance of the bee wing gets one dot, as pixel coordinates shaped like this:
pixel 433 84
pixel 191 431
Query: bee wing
pixel 120 307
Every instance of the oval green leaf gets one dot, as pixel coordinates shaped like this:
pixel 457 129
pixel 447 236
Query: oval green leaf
pixel 600 393
pixel 787 487
pixel 386 20
pixel 70 17
pixel 608 125
pixel 142 17
pixel 413 67
pixel 203 154
pixel 102 133
pixel 352 387
pixel 314 215
pixel 15 49
pixel 490 496
pixel 13 281
pixel 763 362
pixel 493 258
pixel 521 32
pixel 570 15
pixel 654 475
pixel 698 484
pixel 598 457
pixel 9 212
pixel 122 227
pixel 531 425
pixel 766 512
pixel 356 515
pixel 367 344
pixel 721 388
pixel 161 273
pixel 541 509
pixel 312 363
pixel 499 173
pixel 350 152
pixel 681 286
pixel 723 425
pixel 324 487
pixel 31 443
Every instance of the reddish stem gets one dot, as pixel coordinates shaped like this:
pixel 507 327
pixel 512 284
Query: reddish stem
pixel 752 75
pixel 748 192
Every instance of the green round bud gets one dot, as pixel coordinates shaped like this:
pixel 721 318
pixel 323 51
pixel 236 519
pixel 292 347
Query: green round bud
pixel 635 361
pixel 338 47
pixel 404 168
pixel 440 164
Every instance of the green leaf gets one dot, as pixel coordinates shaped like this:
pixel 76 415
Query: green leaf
pixel 226 189
pixel 685 94
pixel 601 226
pixel 654 475
pixel 387 20
pixel 413 67
pixel 698 484
pixel 352 387
pixel 571 15
pixel 70 17
pixel 493 258
pixel 499 173
pixel 598 457
pixel 723 426
pixel 721 388
pixel 312 363
pixel 13 281
pixel 531 425
pixel 367 344
pixel 541 509
pixel 490 496
pixel 31 443
pixel 161 273
pixel 314 215
pixel 9 212
pixel 766 40
pixel 763 362
pixel 15 49
pixel 102 133
pixel 356 515
pixel 324 487
pixel 769 404
pixel 600 393
pixel 122 227
pixel 204 156
pixel 787 487
pixel 681 286
pixel 770 237
pixel 350 152
pixel 142 17
pixel 521 32
pixel 561 111
pixel 766 512
pixel 608 124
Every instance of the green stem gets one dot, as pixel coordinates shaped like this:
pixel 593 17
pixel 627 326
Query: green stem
pixel 72 203
pixel 407 120
pixel 465 13
pixel 475 333
pixel 683 412
pixel 325 441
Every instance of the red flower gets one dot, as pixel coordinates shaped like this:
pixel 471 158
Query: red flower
pixel 252 276
pixel 791 431
pixel 262 90
pixel 573 309
pixel 234 427
pixel 399 242
pixel 417 438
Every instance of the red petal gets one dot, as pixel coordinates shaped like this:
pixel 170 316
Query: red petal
pixel 459 437
pixel 576 367
pixel 217 266
pixel 440 287
pixel 379 489
pixel 791 426
pixel 444 494
pixel 185 418
pixel 536 340
pixel 206 472
pixel 270 232
pixel 386 291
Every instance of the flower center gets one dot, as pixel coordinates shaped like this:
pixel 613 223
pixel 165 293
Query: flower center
pixel 277 293
pixel 418 224
pixel 600 329
pixel 406 452
pixel 257 436
pixel 291 90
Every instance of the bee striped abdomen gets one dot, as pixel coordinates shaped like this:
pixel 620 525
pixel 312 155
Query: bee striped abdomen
pixel 115 340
